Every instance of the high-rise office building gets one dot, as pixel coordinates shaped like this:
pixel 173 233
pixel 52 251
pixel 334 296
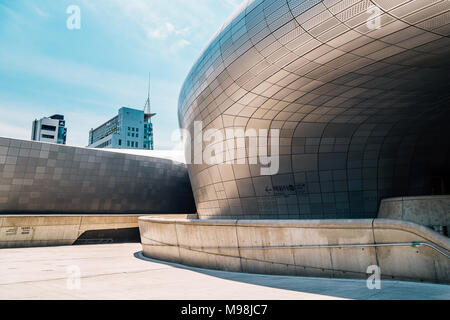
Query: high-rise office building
pixel 130 129
pixel 52 129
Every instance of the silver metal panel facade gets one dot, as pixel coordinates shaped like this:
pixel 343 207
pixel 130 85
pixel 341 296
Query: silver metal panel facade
pixel 363 111
pixel 37 177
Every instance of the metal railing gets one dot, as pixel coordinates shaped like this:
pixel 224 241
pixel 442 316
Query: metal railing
pixel 395 244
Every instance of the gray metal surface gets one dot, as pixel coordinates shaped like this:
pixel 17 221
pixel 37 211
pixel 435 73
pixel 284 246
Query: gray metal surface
pixel 37 177
pixel 363 112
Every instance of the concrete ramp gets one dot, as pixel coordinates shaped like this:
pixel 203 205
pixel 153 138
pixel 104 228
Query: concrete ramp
pixel 318 248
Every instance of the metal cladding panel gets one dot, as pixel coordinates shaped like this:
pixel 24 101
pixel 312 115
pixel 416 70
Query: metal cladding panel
pixel 363 111
pixel 37 177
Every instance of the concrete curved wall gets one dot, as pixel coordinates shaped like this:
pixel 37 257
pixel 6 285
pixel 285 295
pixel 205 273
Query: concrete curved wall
pixel 45 178
pixel 244 246
pixel 427 211
pixel 363 111
pixel 18 231
pixel 56 230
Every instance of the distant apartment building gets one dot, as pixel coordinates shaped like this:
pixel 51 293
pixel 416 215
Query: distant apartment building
pixel 52 130
pixel 130 129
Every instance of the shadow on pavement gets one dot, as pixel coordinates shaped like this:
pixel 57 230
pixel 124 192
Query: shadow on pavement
pixel 330 287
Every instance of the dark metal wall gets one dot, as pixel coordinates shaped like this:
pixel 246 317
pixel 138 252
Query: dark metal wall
pixel 364 113
pixel 37 177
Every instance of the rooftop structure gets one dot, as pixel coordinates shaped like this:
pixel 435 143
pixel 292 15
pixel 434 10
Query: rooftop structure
pixel 50 129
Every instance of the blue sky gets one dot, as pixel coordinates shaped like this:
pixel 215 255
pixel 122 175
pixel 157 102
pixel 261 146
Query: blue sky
pixel 88 74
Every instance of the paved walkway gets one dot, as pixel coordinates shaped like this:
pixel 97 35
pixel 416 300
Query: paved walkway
pixel 118 271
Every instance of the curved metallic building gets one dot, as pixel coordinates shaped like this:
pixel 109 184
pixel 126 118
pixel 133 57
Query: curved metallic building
pixel 55 179
pixel 359 89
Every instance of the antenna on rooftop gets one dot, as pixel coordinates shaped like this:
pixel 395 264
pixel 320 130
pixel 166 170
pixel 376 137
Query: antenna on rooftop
pixel 148 107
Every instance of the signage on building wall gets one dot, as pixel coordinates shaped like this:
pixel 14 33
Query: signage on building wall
pixel 285 190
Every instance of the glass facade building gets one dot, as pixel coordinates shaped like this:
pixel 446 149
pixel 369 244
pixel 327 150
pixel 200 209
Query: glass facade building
pixel 130 129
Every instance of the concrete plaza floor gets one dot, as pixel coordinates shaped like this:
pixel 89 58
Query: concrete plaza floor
pixel 119 271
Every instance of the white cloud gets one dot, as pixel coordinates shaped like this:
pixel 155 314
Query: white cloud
pixel 166 31
pixel 234 3
pixel 41 13
pixel 170 27
pixel 183 32
pixel 156 33
pixel 167 21
pixel 179 45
